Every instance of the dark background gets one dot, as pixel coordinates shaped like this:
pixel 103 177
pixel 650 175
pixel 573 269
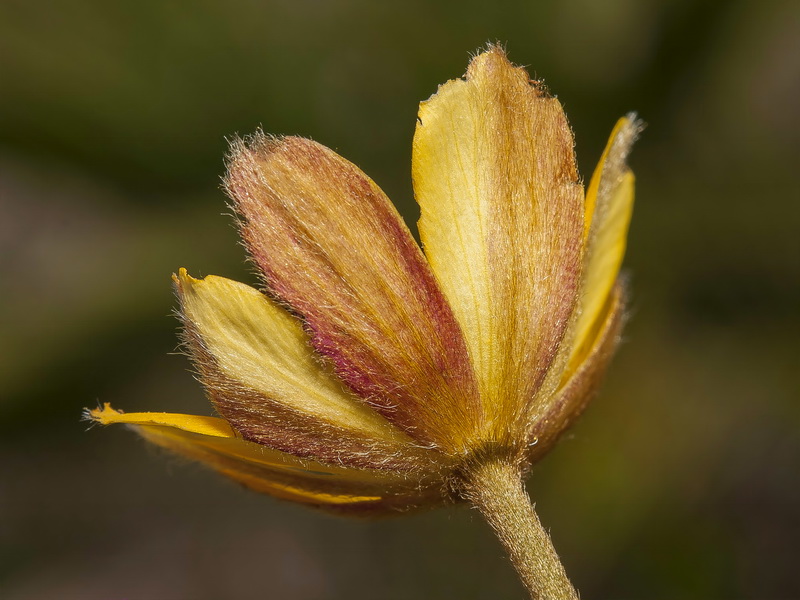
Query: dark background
pixel 681 481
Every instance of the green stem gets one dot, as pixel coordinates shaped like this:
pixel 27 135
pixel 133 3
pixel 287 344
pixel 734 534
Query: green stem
pixel 497 490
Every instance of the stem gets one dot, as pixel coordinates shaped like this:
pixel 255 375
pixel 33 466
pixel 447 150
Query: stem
pixel 497 490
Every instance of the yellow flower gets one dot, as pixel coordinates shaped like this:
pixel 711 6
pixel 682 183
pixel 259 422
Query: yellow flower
pixel 371 377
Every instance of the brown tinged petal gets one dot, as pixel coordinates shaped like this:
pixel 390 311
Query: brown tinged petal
pixel 502 220
pixel 332 247
pixel 360 490
pixel 260 371
pixel 212 442
pixel 568 404
pixel 609 206
pixel 587 347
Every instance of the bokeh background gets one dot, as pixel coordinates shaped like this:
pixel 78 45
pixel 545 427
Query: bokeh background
pixel 681 481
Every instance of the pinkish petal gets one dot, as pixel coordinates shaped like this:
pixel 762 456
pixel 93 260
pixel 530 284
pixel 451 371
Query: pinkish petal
pixel 332 247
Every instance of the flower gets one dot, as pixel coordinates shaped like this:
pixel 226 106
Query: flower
pixel 370 377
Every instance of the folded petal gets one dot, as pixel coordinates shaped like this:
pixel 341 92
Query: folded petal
pixel 262 375
pixel 609 205
pixel 207 426
pixel 212 442
pixel 333 248
pixel 340 501
pixel 567 405
pixel 501 223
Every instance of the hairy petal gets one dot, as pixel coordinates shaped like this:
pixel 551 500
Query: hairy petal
pixel 260 371
pixel 501 223
pixel 211 441
pixel 568 404
pixel 332 247
pixel 609 205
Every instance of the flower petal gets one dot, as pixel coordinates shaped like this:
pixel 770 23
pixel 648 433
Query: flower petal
pixel 495 177
pixel 207 426
pixel 261 373
pixel 609 205
pixel 332 246
pixel 212 442
pixel 578 390
pixel 340 499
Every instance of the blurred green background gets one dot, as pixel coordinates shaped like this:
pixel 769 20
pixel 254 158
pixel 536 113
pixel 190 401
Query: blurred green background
pixel 681 481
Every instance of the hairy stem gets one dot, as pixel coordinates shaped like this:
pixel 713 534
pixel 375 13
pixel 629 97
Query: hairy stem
pixel 497 490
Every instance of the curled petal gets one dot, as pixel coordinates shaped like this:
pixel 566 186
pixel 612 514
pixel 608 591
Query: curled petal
pixel 212 442
pixel 333 248
pixel 609 205
pixel 567 405
pixel 501 223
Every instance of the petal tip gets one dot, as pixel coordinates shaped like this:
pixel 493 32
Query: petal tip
pixel 486 61
pixel 624 135
pixel 105 415
pixel 243 150
pixel 490 51
pixel 493 62
pixel 181 277
pixel 493 54
pixel 183 282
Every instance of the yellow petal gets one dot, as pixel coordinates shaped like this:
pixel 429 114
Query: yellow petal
pixel 208 426
pixel 295 493
pixel 258 343
pixel 567 405
pixel 385 501
pixel 261 372
pixel 609 205
pixel 212 442
pixel 211 434
pixel 501 223
pixel 333 248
